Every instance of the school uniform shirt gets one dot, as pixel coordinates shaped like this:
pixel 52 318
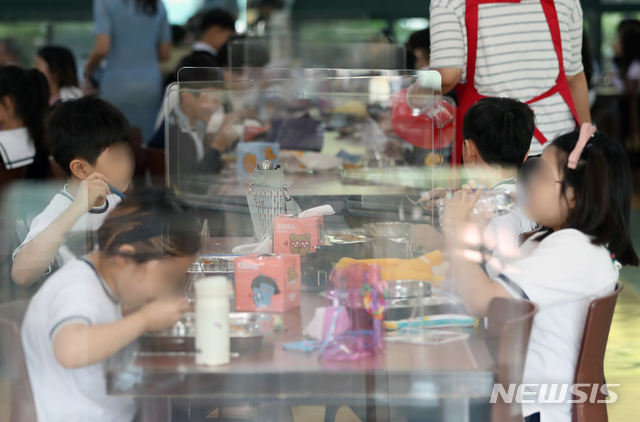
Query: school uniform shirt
pixel 75 294
pixel 515 54
pixel 16 148
pixel 82 238
pixel 562 274
pixel 503 232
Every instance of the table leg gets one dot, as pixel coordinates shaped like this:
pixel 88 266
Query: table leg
pixel 154 410
pixel 331 413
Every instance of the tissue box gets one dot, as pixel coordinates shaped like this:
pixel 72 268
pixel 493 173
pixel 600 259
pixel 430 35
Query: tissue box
pixel 267 283
pixel 295 235
pixel 249 153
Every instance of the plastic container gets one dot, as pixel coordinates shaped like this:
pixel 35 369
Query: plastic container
pixel 212 321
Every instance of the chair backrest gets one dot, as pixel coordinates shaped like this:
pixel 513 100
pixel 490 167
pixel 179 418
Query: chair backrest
pixel 590 367
pixel 136 142
pixel 156 165
pixel 22 404
pixel 508 333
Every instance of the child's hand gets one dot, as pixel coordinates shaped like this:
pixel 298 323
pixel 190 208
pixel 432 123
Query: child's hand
pixel 424 236
pixel 159 315
pixel 456 222
pixel 93 191
pixel 429 200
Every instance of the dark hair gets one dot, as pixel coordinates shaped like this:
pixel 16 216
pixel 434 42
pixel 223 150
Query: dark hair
pixel 501 128
pixel 148 7
pixel 629 36
pixel 84 128
pixel 602 185
pixel 420 40
pixel 62 65
pixel 155 222
pixel 29 92
pixel 219 18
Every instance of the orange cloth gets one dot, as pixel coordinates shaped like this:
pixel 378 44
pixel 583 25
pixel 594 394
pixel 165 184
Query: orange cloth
pixel 404 269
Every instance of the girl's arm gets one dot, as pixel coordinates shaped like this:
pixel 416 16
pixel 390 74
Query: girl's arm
pixel 100 51
pixel 77 345
pixel 164 51
pixel 580 94
pixel 473 285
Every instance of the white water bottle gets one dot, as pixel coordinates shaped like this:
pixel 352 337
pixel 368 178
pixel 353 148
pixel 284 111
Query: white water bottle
pixel 212 321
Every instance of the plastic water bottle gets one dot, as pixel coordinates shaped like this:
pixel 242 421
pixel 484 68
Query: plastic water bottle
pixel 497 202
pixel 212 321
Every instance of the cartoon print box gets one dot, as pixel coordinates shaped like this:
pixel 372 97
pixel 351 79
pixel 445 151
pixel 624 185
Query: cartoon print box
pixel 249 153
pixel 267 282
pixel 297 235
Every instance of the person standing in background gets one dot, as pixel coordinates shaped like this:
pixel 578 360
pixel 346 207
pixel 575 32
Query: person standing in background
pixel 528 50
pixel 419 45
pixel 59 67
pixel 134 36
pixel 10 52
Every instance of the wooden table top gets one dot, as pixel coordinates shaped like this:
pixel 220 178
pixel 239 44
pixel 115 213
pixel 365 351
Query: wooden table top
pixel 404 373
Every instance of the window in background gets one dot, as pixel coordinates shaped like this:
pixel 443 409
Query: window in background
pixel 403 28
pixel 77 37
pixel 179 11
pixel 360 30
pixel 29 35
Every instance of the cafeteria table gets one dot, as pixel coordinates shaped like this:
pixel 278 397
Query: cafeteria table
pixel 452 375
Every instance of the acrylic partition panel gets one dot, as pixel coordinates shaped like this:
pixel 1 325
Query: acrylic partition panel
pixel 367 145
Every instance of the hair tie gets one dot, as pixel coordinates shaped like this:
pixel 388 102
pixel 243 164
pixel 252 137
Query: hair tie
pixel 586 132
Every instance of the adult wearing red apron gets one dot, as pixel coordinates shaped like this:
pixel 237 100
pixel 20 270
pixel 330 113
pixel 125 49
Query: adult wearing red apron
pixel 467 92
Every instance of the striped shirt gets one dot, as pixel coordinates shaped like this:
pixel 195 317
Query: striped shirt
pixel 515 56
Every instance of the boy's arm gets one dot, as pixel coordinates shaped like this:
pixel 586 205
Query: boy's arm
pixel 35 256
pixel 77 345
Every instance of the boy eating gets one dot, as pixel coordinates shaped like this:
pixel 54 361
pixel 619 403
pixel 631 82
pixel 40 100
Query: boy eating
pixel 89 140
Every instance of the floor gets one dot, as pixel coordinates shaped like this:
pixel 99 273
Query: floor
pixel 622 360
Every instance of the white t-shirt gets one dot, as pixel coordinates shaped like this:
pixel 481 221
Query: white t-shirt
pixel 81 239
pixel 562 274
pixel 503 232
pixel 75 294
pixel 515 56
pixel 633 73
pixel 16 148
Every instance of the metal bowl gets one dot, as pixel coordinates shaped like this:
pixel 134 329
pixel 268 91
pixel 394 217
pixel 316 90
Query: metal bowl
pixel 392 230
pixel 246 332
pixel 402 289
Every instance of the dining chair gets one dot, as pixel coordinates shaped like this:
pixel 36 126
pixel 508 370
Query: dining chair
pixel 136 142
pixel 22 403
pixel 590 368
pixel 508 332
pixel 156 164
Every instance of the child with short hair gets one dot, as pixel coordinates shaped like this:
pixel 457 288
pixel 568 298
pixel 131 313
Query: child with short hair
pixel 90 140
pixel 497 137
pixel 571 260
pixel 74 323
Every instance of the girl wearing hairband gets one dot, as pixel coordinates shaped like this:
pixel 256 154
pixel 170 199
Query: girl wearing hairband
pixel 75 322
pixel 579 195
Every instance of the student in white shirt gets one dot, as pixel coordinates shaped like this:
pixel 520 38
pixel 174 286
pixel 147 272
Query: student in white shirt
pixel 59 67
pixel 580 196
pixel 497 134
pixel 24 96
pixel 75 323
pixel 89 140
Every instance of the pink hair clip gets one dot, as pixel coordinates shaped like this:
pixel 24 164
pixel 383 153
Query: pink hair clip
pixel 586 132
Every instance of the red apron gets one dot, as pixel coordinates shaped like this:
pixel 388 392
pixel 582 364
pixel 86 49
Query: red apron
pixel 468 94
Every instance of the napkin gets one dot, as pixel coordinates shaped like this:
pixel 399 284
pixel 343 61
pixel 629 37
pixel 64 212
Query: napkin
pixel 264 246
pixel 319 325
pixel 317 211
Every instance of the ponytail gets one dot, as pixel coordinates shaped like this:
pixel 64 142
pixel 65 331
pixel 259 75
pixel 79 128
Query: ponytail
pixel 602 185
